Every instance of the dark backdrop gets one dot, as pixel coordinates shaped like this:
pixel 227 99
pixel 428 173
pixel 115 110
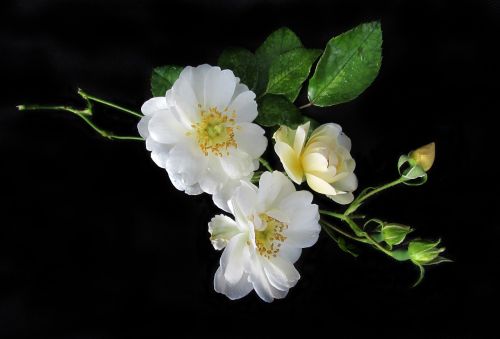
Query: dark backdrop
pixel 96 243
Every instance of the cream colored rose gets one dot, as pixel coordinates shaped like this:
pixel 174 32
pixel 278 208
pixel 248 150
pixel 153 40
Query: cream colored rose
pixel 324 160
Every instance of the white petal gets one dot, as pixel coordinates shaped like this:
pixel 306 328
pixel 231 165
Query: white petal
pixel 305 217
pixel 165 128
pixel 347 184
pixel 302 238
pixel 224 192
pixel 159 152
pixel 219 88
pixel 273 187
pixel 237 164
pixel 344 140
pixel 295 201
pixel 245 107
pixel 232 291
pixel 222 229
pixel 185 99
pixel 142 126
pixel 281 273
pixel 214 177
pixel 194 189
pixel 153 105
pixel 198 77
pixel 319 185
pixel 243 201
pixel 185 163
pixel 240 88
pixel 234 258
pixel 304 229
pixel 290 161
pixel 181 184
pixel 261 284
pixel 250 139
pixel 289 252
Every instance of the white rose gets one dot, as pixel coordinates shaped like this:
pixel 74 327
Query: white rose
pixel 202 133
pixel 271 225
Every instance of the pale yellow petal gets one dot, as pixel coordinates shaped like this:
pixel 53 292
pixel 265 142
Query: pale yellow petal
pixel 284 134
pixel 314 162
pixel 300 137
pixel 319 185
pixel 290 161
pixel 424 156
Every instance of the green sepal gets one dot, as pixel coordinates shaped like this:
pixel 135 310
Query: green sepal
pixel 423 252
pixel 395 234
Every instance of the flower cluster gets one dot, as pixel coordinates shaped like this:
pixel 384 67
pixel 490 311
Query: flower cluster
pixel 206 125
pixel 202 133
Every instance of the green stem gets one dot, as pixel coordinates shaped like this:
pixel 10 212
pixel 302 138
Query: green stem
pixel 84 114
pixel 107 103
pixel 361 198
pixel 85 111
pixel 265 164
pixel 357 230
pixel 309 104
pixel 340 231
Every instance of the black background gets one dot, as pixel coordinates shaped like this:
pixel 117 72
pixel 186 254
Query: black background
pixel 96 243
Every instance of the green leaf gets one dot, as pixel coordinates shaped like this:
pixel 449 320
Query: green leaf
pixel 242 62
pixel 350 63
pixel 289 70
pixel 277 110
pixel 277 43
pixel 163 79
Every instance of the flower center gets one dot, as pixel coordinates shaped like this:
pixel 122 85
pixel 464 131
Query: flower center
pixel 215 132
pixel 269 239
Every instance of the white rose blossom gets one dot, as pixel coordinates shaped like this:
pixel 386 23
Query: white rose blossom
pixel 202 133
pixel 324 160
pixel 271 225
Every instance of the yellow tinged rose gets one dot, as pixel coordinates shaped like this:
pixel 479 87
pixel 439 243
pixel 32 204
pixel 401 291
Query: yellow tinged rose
pixel 323 160
pixel 424 156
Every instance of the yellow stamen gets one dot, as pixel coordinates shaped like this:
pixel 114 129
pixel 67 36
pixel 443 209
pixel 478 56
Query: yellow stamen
pixel 269 240
pixel 215 132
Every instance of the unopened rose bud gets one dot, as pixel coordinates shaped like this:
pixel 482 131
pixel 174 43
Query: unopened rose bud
pixel 424 156
pixel 395 234
pixel 424 252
